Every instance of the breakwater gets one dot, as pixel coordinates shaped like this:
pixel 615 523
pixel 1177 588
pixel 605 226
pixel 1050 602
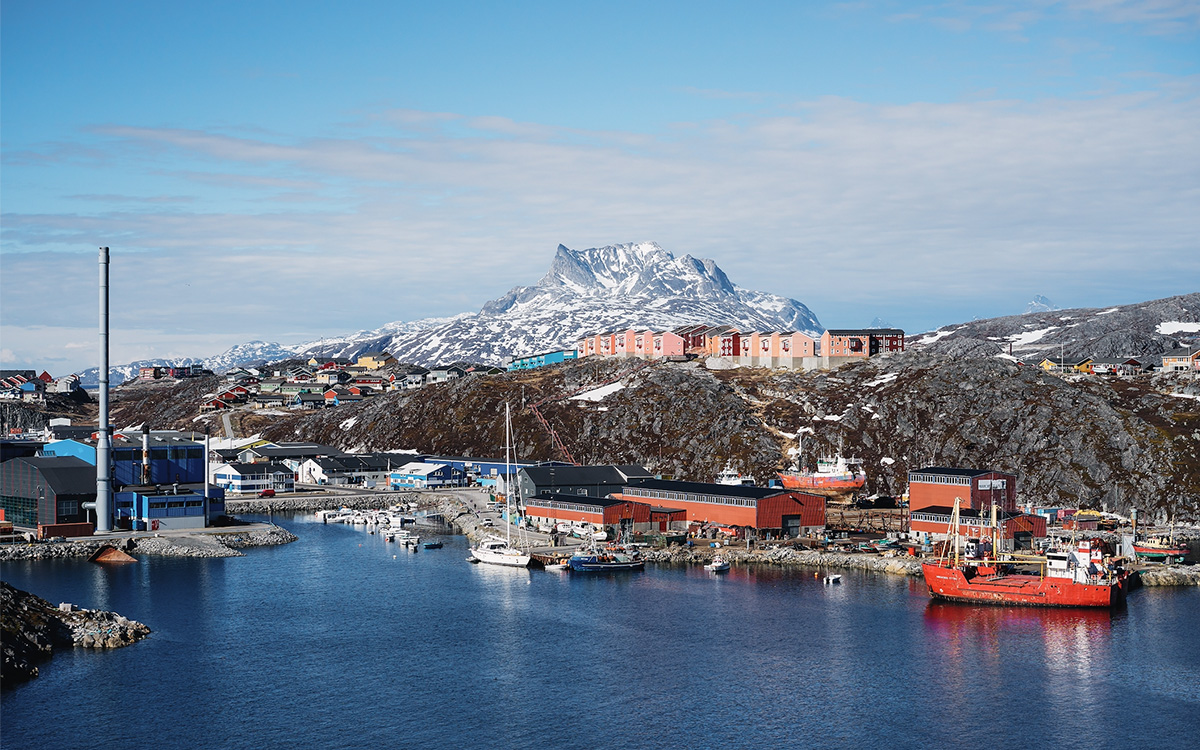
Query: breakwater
pixel 226 542
pixel 33 628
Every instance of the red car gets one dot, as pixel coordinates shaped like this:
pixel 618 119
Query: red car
pixel 267 493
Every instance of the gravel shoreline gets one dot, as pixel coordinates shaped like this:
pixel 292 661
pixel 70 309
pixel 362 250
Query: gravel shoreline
pixel 225 543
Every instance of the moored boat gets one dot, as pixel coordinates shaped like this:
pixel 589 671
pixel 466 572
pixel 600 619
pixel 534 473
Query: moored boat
pixel 718 565
pixel 1077 577
pixel 1161 548
pixel 592 560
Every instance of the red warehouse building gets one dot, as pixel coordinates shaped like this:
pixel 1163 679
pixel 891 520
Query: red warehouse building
pixel 552 508
pixel 1017 530
pixel 977 488
pixel 787 512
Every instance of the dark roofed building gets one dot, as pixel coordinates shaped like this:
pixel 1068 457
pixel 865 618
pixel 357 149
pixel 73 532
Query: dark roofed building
pixel 773 510
pixel 593 481
pixel 46 490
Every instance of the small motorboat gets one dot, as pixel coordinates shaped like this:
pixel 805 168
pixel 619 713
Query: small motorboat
pixel 559 566
pixel 832 579
pixel 432 545
pixel 718 565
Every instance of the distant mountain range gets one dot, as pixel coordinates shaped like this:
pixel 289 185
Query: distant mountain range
pixel 585 291
pixel 1144 328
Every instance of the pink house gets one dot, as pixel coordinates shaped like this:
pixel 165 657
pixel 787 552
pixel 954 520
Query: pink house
pixel 625 343
pixel 667 344
pixel 644 344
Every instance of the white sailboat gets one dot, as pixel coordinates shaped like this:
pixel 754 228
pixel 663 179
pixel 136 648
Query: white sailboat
pixel 494 550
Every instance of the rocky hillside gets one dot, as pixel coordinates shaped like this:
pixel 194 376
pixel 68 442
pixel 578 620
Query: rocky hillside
pixel 1111 443
pixel 1145 328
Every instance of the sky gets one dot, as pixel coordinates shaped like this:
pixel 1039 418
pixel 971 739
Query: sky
pixel 282 171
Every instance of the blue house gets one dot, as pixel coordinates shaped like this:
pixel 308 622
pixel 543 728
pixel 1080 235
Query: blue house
pixel 418 475
pixel 541 360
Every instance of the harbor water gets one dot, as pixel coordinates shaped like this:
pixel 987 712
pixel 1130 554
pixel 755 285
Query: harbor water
pixel 341 640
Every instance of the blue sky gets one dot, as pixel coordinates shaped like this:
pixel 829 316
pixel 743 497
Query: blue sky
pixel 284 171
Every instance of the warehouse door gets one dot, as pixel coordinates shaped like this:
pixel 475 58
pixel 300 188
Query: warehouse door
pixel 1022 540
pixel 791 526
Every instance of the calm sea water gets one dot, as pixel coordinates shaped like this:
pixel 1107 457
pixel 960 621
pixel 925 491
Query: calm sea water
pixel 331 642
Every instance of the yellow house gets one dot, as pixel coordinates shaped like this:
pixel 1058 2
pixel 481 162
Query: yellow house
pixel 375 360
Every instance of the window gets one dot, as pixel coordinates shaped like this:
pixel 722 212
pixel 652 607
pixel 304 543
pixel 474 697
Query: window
pixel 158 505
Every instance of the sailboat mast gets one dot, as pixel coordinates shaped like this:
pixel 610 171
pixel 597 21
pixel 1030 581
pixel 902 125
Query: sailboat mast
pixel 507 475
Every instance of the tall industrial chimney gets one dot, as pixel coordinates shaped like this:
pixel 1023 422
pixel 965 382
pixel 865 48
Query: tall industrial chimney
pixel 104 435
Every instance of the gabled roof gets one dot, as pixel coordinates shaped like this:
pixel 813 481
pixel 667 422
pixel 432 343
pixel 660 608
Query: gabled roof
pixel 585 475
pixel 66 475
pixel 418 468
pixel 1189 351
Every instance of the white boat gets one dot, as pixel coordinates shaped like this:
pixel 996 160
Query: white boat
pixel 718 565
pixel 832 579
pixel 494 550
pixel 730 475
pixel 497 551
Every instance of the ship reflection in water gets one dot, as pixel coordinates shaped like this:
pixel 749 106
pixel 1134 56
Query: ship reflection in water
pixel 1062 650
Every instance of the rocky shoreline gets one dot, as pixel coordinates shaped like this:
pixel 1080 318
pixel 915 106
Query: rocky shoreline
pixel 225 543
pixel 32 628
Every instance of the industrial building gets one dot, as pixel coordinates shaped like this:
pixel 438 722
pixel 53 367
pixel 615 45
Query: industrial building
pixel 592 481
pixel 141 458
pixel 48 492
pixel 938 486
pixel 1017 530
pixel 773 511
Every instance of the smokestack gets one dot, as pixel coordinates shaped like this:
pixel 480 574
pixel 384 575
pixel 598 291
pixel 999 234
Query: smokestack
pixel 103 460
pixel 146 454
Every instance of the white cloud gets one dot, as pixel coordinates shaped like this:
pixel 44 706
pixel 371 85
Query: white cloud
pixel 434 213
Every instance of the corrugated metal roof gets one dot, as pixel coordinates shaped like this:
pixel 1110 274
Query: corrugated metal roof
pixel 706 488
pixel 66 475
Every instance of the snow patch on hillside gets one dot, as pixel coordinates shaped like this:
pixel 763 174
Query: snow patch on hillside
pixel 1172 327
pixel 598 394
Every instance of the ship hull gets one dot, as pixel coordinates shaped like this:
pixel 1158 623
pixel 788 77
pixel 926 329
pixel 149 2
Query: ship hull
pixel 597 564
pixel 1160 553
pixel 794 481
pixel 951 584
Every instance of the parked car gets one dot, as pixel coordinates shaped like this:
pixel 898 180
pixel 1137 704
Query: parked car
pixel 267 493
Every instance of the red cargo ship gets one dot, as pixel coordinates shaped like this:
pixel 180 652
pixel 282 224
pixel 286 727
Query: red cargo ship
pixel 1078 577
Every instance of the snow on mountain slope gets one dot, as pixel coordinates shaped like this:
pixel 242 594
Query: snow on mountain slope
pixel 1142 329
pixel 636 285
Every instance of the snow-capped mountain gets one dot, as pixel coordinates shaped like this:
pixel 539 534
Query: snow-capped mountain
pixel 1040 303
pixel 1142 329
pixel 879 322
pixel 588 291
pixel 249 353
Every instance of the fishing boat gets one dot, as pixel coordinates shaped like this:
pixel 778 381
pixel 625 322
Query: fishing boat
pixel 732 476
pixel 592 560
pixel 1161 548
pixel 1078 576
pixel 494 550
pixel 832 473
pixel 718 565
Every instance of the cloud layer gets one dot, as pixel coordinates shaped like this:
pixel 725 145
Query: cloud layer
pixel 917 212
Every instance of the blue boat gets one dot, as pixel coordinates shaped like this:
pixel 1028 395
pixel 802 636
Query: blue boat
pixel 592 561
pixel 432 545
